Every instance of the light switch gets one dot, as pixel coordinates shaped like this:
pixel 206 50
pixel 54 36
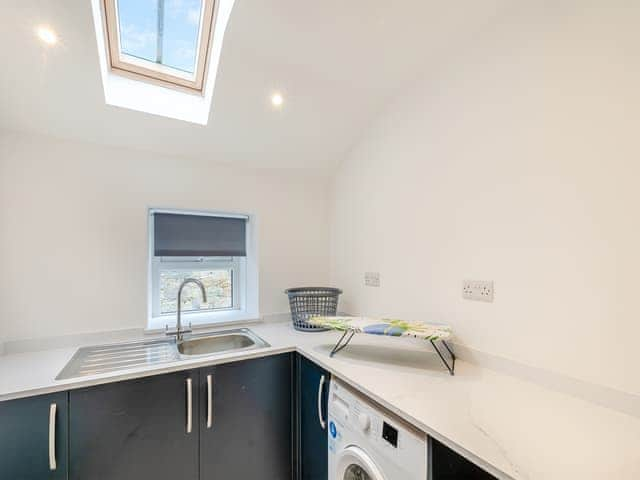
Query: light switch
pixel 372 279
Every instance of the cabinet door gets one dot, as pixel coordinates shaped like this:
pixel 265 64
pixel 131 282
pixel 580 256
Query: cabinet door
pixel 33 438
pixel 313 382
pixel 135 430
pixel 248 434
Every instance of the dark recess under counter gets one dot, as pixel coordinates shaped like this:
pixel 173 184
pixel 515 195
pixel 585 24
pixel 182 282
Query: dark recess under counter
pixel 445 464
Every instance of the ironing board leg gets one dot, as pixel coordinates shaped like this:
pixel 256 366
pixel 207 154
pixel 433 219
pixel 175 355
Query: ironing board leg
pixel 343 342
pixel 451 367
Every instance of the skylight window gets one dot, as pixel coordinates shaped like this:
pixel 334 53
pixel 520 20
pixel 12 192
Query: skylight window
pixel 145 46
pixel 164 41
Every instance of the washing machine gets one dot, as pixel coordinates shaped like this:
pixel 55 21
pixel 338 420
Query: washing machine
pixel 367 443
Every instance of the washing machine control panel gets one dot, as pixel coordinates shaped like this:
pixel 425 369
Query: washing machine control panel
pixel 357 415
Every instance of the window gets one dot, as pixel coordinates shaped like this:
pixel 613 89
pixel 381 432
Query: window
pixel 164 41
pixel 161 56
pixel 217 275
pixel 212 248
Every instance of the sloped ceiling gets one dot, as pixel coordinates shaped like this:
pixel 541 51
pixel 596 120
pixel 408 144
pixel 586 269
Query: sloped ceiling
pixel 337 63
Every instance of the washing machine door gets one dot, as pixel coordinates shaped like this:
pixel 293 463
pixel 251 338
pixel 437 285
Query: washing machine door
pixel 355 464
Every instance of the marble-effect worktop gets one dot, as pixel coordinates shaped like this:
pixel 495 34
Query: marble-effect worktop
pixel 511 427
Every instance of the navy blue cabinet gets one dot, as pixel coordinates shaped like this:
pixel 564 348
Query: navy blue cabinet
pixel 246 419
pixel 33 438
pixel 143 429
pixel 313 395
pixel 234 420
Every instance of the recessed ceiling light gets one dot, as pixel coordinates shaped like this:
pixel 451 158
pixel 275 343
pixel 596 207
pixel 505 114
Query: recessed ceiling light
pixel 277 100
pixel 47 35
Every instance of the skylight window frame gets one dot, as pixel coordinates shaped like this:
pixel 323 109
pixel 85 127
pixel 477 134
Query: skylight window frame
pixel 144 70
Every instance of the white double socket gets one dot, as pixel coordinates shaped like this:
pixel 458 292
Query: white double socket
pixel 481 290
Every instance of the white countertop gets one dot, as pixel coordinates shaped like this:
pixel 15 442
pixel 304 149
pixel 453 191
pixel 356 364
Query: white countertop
pixel 514 428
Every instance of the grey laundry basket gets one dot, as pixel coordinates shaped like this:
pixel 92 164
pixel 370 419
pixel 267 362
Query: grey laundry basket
pixel 307 302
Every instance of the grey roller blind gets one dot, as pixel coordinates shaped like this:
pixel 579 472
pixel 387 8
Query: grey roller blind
pixel 177 235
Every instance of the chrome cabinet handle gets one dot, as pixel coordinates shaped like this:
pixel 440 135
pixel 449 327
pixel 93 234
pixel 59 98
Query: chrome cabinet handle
pixel 320 385
pixel 209 401
pixel 52 436
pixel 189 405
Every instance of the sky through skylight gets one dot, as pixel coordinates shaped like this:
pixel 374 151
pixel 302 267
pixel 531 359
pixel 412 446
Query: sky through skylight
pixel 179 22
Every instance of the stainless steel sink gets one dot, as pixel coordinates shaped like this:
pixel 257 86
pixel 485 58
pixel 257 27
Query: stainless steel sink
pixel 228 340
pixel 116 357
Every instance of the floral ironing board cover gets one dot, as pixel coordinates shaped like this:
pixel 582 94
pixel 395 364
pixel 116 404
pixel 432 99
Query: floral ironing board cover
pixel 385 326
pixel 349 326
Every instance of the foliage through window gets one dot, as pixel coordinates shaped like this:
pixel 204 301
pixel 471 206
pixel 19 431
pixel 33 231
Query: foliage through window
pixel 218 285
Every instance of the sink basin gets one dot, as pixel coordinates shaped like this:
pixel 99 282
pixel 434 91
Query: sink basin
pixel 225 341
pixel 112 358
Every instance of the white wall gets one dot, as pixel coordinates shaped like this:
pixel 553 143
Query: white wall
pixel 516 161
pixel 73 244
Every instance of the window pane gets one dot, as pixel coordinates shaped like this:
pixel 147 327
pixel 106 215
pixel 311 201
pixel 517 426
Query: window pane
pixel 217 284
pixel 161 31
pixel 181 29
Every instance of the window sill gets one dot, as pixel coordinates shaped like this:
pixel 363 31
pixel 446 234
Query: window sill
pixel 202 320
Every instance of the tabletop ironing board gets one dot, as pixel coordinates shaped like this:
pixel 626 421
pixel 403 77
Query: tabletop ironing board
pixel 392 328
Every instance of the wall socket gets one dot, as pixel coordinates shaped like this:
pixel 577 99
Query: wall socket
pixel 477 290
pixel 372 279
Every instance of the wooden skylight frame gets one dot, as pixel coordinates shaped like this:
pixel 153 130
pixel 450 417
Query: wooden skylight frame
pixel 148 71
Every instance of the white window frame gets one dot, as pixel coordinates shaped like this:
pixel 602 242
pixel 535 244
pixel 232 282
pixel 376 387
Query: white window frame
pixel 144 70
pixel 244 278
